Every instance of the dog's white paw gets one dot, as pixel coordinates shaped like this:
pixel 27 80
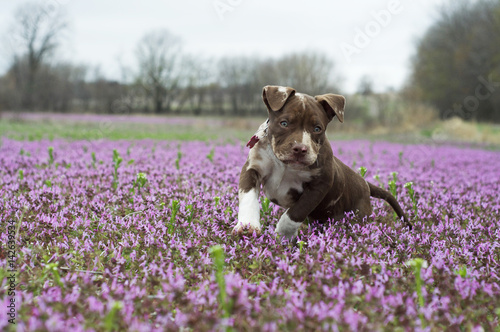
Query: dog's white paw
pixel 287 227
pixel 249 213
pixel 239 229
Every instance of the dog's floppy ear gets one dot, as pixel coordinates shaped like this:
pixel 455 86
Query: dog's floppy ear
pixel 333 105
pixel 275 97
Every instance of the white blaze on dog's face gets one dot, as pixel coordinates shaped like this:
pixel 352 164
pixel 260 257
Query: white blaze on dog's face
pixel 297 124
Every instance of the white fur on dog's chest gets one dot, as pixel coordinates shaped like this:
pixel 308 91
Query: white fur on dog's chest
pixel 279 178
pixel 282 179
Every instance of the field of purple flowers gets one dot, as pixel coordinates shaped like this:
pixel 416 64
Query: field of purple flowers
pixel 117 235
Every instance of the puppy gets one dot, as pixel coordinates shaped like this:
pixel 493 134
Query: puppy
pixel 293 161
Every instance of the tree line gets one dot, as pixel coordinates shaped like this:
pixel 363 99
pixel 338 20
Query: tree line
pixel 456 70
pixel 165 80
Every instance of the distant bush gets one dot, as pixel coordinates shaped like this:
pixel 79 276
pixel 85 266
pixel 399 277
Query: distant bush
pixel 387 112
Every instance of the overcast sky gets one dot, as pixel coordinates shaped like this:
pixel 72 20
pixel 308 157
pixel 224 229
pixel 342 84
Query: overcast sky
pixel 364 37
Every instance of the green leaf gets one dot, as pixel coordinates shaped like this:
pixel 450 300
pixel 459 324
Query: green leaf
pixel 462 271
pixel 111 318
pixel 362 171
pixel 254 265
pixel 51 154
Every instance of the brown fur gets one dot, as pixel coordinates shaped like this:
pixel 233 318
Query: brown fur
pixel 333 188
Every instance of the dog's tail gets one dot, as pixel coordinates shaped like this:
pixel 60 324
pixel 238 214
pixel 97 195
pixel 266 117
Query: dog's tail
pixel 384 194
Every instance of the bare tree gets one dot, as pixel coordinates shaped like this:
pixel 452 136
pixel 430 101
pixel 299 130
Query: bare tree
pixel 242 78
pixel 365 86
pixel 159 57
pixel 60 82
pixel 35 36
pixel 197 77
pixel 237 76
pixel 308 72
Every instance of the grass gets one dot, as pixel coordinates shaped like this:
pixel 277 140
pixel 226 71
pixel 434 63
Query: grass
pixel 34 131
pixel 226 129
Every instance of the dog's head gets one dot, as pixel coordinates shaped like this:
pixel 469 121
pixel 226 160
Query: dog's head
pixel 297 122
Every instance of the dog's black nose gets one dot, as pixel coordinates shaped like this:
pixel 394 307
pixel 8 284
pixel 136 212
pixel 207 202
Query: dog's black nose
pixel 299 149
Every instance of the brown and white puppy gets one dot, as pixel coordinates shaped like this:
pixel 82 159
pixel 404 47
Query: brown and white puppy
pixel 293 161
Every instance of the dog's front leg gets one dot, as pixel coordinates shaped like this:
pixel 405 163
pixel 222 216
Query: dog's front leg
pixel 291 220
pixel 248 193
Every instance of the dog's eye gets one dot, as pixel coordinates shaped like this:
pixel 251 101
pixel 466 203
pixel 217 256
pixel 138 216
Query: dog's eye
pixel 317 129
pixel 284 124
